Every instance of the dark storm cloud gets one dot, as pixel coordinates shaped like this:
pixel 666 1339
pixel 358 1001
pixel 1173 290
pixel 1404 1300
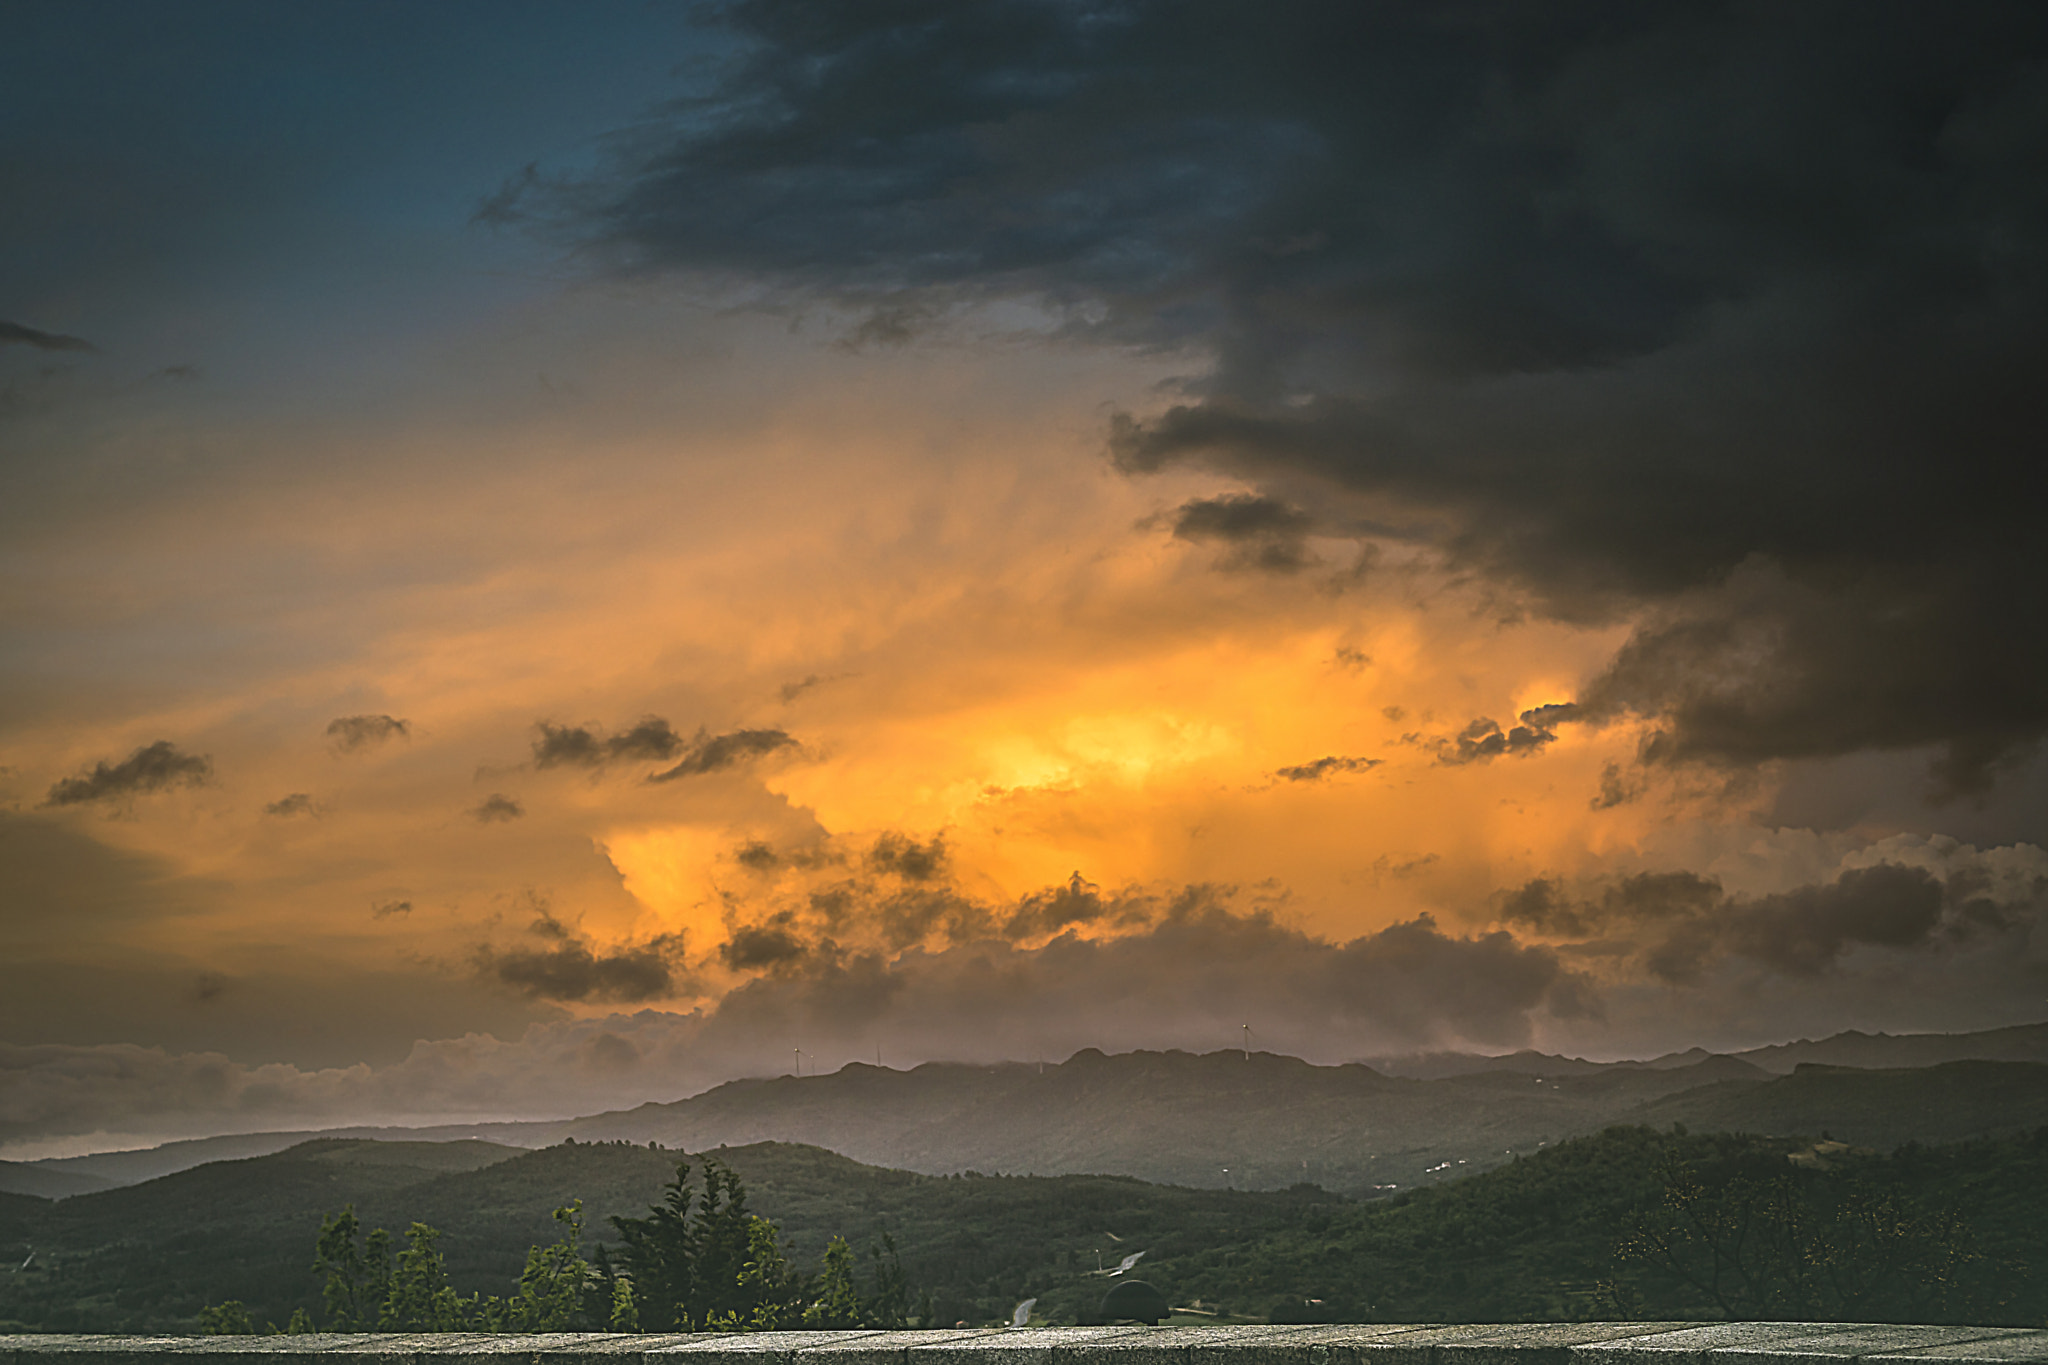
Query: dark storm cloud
pixel 716 753
pixel 1189 981
pixel 1325 767
pixel 1075 902
pixel 569 967
pixel 1802 932
pixel 386 909
pixel 13 333
pixel 351 734
pixel 763 947
pixel 1544 905
pixel 1730 311
pixel 152 768
pixel 496 808
pixel 560 744
pixel 905 857
pixel 790 691
pixel 1199 971
pixel 757 855
pixel 584 746
pixel 1259 532
pixel 298 803
pixel 1617 788
pixel 1483 739
pixel 1682 923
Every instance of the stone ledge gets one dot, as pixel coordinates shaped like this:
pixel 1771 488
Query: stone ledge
pixel 1579 1343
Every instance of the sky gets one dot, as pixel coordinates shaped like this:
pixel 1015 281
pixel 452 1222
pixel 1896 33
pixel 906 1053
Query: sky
pixel 555 555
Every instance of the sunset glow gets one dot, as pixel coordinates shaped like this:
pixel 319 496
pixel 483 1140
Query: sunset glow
pixel 918 576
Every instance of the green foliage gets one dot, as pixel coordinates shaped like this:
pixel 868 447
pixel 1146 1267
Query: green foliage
pixel 552 1287
pixel 661 1250
pixel 837 1302
pixel 1747 1236
pixel 420 1298
pixel 770 1293
pixel 700 1261
pixel 712 1263
pixel 1927 1234
pixel 230 1319
pixel 625 1315
pixel 1534 1240
pixel 358 1277
pixel 888 1307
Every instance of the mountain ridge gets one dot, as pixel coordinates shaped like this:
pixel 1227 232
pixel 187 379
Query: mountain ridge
pixel 1231 1118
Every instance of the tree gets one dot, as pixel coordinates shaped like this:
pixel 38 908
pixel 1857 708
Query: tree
pixel 699 1261
pixel 551 1288
pixel 1787 1245
pixel 625 1315
pixel 890 1306
pixel 420 1298
pixel 660 1253
pixel 770 1294
pixel 358 1278
pixel 229 1319
pixel 837 1302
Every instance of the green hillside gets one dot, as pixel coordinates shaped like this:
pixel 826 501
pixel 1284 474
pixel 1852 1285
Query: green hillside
pixel 1538 1239
pixel 1944 1103
pixel 1534 1240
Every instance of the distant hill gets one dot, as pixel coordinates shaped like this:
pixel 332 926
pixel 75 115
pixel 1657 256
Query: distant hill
pixel 109 1169
pixel 21 1177
pixel 1262 1121
pixel 2020 1043
pixel 1266 1122
pixel 1874 1108
pixel 145 1258
pixel 1885 1051
pixel 1217 1120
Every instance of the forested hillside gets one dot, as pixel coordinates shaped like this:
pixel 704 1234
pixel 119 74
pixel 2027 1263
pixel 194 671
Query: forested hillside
pixel 1565 1233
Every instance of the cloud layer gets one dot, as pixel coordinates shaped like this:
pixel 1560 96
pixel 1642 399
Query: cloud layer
pixel 1075 966
pixel 1704 310
pixel 151 768
pixel 1026 525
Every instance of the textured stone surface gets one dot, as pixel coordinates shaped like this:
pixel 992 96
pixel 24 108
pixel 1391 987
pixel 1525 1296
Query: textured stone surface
pixel 1550 1343
pixel 1186 1345
pixel 749 1348
pixel 884 1348
pixel 1698 1343
pixel 1024 1346
pixel 2010 1344
pixel 1589 1343
pixel 1856 1342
